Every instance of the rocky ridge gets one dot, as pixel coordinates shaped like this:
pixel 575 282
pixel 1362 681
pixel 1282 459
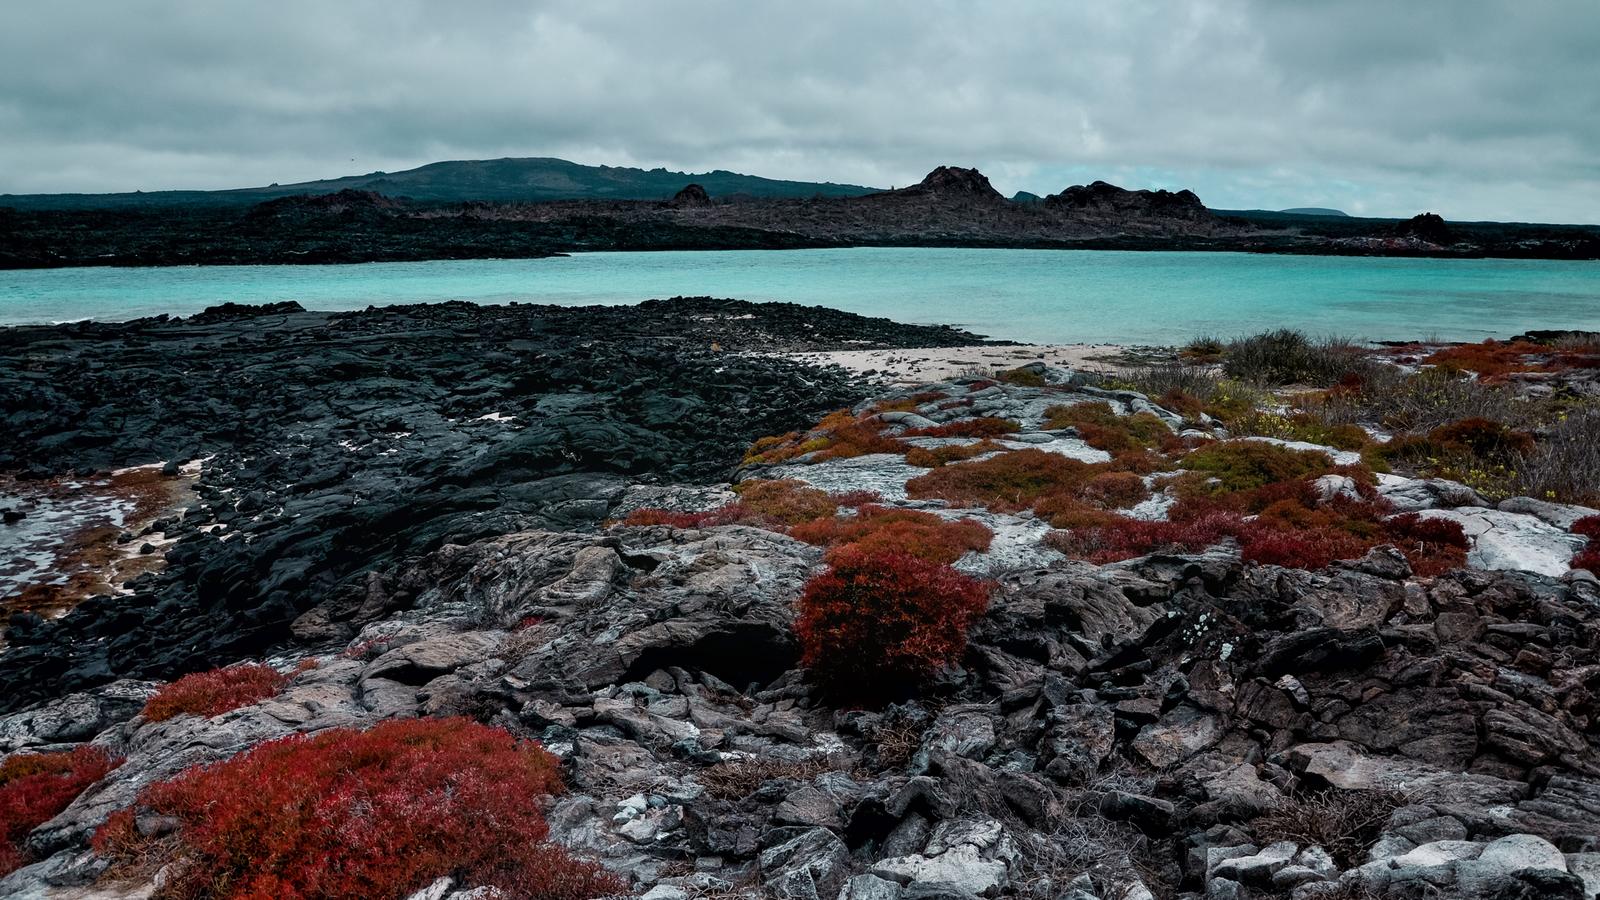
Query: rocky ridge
pixel 1169 725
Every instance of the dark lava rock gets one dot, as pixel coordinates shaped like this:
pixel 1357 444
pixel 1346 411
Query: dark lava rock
pixel 1428 227
pixel 954 181
pixel 691 195
pixel 1108 199
pixel 341 443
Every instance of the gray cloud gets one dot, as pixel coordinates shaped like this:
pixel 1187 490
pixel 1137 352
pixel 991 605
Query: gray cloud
pixel 1472 108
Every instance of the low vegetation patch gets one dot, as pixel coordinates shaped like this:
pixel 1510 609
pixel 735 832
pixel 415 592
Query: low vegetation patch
pixel 207 694
pixel 876 626
pixel 934 457
pixel 1294 532
pixel 879 530
pixel 36 787
pixel 1007 482
pixel 977 427
pixel 786 502
pixel 1588 557
pixel 1237 466
pixel 352 814
pixel 1101 428
pixel 1495 360
pixel 840 435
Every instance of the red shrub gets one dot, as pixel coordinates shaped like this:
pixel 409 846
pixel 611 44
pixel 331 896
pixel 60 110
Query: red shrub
pixel 1588 526
pixel 856 498
pixel 980 427
pixel 877 625
pixel 1433 545
pixel 35 787
pixel 1307 548
pixel 213 693
pixel 877 529
pixel 1100 427
pixel 1010 481
pixel 362 814
pixel 1115 490
pixel 1587 558
pixel 934 457
pixel 1490 359
pixel 786 502
pixel 1124 538
pixel 1067 511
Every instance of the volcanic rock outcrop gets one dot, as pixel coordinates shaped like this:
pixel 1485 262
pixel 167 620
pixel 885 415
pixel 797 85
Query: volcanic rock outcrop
pixel 1175 724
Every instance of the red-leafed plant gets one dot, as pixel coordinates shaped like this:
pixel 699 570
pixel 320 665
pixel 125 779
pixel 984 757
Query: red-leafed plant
pixel 879 625
pixel 1123 538
pixel 977 427
pixel 213 693
pixel 1009 481
pixel 878 529
pixel 35 787
pixel 1589 557
pixel 1433 545
pixel 348 814
pixel 786 502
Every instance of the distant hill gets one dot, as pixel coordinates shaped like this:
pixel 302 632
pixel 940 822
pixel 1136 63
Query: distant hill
pixel 500 180
pixel 1314 211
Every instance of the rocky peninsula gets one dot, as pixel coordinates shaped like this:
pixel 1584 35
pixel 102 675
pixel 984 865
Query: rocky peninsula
pixel 1277 618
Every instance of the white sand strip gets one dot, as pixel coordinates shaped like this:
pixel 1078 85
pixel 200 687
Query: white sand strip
pixel 918 366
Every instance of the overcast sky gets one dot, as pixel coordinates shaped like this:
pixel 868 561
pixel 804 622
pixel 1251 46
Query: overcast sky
pixel 1473 109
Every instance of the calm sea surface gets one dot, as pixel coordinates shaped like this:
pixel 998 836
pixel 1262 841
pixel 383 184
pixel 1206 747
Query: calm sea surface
pixel 1040 296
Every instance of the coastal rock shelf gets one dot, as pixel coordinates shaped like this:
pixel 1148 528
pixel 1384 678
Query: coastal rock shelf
pixel 336 444
pixel 1157 701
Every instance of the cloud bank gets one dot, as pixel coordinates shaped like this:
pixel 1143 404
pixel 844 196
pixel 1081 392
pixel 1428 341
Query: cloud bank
pixel 1474 109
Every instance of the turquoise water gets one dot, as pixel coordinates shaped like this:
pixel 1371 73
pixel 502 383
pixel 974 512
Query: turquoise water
pixel 1040 296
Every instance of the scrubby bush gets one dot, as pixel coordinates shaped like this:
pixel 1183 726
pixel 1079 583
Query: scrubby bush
pixel 1565 464
pixel 1286 356
pixel 875 626
pixel 1345 823
pixel 1022 376
pixel 361 814
pixel 1008 481
pixel 1588 526
pixel 213 693
pixel 1204 350
pixel 35 787
pixel 1481 453
pixel 878 529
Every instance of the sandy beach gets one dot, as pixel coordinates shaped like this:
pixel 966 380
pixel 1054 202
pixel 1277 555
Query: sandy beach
pixel 915 366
